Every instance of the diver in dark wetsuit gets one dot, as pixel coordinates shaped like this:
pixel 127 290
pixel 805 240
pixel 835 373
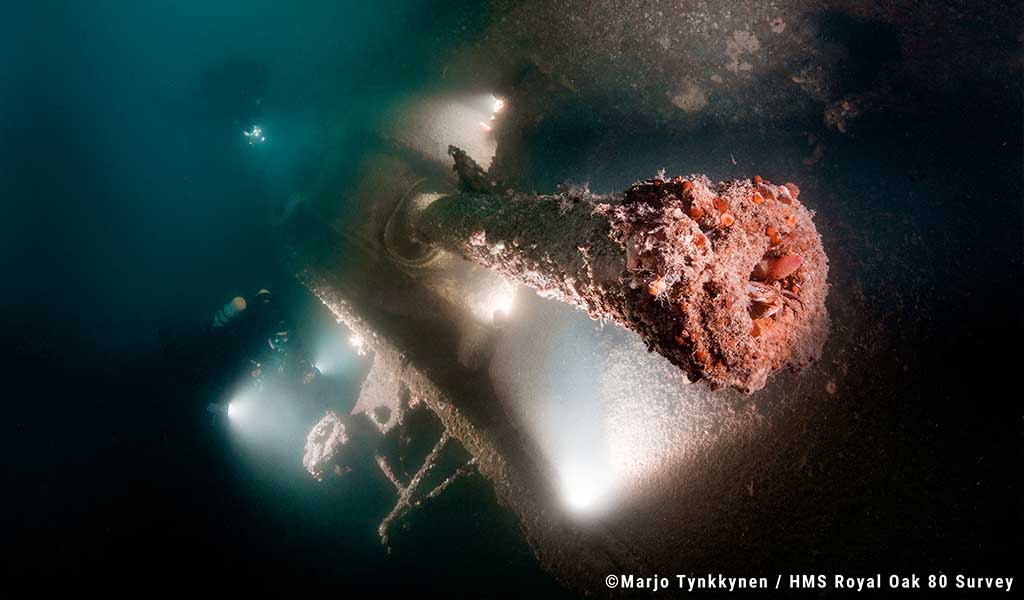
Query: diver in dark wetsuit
pixel 247 340
pixel 262 336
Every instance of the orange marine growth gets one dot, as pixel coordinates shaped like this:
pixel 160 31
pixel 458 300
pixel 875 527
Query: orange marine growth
pixel 773 269
pixel 688 271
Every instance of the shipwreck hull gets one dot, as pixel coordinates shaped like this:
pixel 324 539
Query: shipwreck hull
pixel 687 470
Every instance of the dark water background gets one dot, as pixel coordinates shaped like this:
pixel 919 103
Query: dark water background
pixel 132 205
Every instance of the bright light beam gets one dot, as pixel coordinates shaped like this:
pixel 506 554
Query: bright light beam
pixel 585 488
pixel 492 301
pixel 580 494
pixel 428 125
pixel 239 408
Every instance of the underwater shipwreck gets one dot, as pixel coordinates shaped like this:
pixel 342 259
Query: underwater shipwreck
pixel 701 337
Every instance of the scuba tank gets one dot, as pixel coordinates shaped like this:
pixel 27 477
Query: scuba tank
pixel 228 312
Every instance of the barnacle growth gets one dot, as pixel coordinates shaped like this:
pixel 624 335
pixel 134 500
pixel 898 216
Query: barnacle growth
pixel 726 280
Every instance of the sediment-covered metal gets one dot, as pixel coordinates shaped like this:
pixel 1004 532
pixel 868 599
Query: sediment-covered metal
pixel 727 280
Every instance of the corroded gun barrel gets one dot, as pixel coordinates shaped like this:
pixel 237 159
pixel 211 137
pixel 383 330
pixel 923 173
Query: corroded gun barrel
pixel 726 280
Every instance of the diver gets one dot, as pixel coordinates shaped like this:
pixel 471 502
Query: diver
pixel 249 340
pixel 255 135
pixel 262 337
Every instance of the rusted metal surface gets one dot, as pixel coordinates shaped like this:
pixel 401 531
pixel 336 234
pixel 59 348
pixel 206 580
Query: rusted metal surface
pixel 726 280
